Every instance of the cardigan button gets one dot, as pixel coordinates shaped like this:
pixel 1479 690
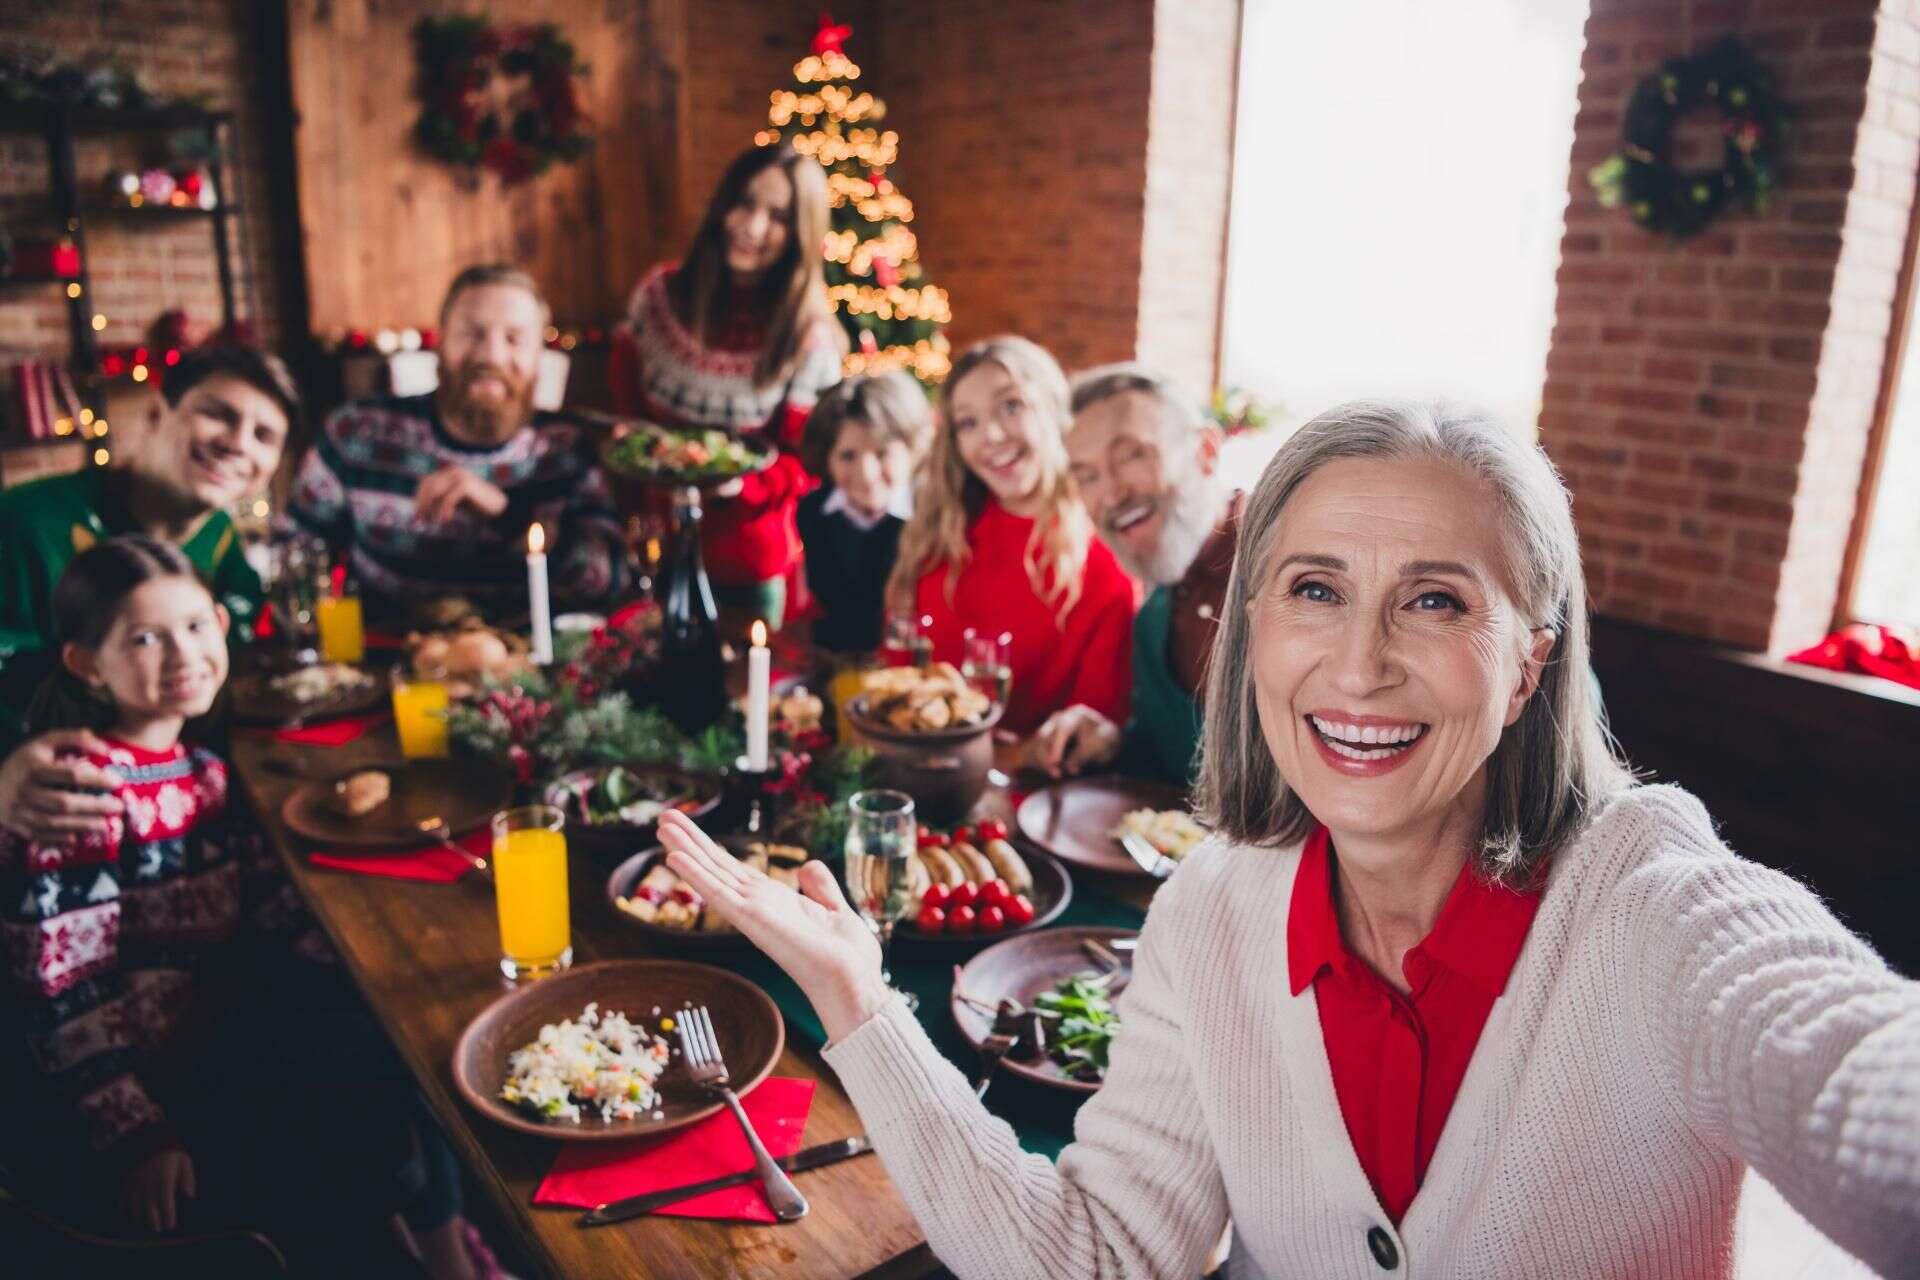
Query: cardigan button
pixel 1382 1247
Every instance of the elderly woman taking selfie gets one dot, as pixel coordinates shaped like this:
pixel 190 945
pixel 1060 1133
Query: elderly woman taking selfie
pixel 1448 993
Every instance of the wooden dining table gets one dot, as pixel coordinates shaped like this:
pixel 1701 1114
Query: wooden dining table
pixel 426 957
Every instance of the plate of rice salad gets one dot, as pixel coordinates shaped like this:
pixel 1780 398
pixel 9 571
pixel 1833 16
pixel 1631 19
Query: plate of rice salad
pixel 590 1055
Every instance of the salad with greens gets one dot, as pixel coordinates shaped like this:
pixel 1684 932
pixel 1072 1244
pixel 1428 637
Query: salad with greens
pixel 708 454
pixel 620 795
pixel 1080 1024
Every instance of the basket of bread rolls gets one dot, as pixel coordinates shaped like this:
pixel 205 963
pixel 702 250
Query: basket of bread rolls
pixel 931 734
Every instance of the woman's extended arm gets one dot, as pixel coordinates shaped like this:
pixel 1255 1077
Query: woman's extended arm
pixel 1139 1192
pixel 1784 1039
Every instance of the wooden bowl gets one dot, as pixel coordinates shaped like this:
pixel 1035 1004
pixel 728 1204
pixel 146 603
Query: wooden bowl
pixel 746 1023
pixel 1052 891
pixel 1020 968
pixel 609 842
pixel 944 770
pixel 464 793
pixel 1074 820
pixel 628 875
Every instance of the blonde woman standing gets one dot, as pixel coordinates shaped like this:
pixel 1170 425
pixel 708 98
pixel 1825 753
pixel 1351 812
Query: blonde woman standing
pixel 1000 541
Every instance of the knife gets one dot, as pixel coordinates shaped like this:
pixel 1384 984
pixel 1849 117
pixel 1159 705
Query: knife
pixel 812 1158
pixel 1151 860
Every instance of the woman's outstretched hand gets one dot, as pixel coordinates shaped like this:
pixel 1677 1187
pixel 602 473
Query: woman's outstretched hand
pixel 822 943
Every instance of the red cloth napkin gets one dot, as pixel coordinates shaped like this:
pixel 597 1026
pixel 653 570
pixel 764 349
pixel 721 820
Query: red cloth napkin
pixel 333 733
pixel 431 864
pixel 592 1173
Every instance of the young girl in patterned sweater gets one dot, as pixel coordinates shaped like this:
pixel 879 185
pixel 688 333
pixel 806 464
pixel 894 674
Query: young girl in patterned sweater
pixel 123 949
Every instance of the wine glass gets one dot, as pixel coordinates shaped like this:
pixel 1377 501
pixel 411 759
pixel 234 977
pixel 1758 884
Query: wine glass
pixel 987 663
pixel 299 566
pixel 880 847
pixel 896 638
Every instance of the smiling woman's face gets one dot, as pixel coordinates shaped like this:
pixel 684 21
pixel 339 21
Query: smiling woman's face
pixel 1388 654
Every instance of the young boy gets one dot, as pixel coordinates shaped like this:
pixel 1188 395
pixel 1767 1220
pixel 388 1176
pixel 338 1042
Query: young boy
pixel 864 439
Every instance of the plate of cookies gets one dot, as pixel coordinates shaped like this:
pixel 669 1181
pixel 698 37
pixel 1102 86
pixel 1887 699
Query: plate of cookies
pixel 646 893
pixel 396 804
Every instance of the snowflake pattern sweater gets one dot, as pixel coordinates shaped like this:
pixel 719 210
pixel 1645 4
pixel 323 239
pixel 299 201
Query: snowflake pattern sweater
pixel 104 936
pixel 1676 1015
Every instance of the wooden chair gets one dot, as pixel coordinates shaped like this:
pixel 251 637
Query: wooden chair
pixel 32 1243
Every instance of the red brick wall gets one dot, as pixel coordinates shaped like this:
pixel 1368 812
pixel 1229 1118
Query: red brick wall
pixel 1709 402
pixel 179 47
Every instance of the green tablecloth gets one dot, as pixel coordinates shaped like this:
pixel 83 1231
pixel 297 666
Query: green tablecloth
pixel 1042 1117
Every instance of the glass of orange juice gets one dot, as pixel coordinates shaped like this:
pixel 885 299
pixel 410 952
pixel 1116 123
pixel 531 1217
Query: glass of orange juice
pixel 419 714
pixel 342 639
pixel 530 888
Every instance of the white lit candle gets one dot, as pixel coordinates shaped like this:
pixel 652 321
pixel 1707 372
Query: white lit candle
pixel 537 594
pixel 759 682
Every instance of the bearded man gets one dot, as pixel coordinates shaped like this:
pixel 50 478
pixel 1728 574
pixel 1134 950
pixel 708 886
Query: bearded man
pixel 433 495
pixel 1148 467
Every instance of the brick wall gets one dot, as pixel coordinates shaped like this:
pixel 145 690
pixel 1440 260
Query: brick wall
pixel 1710 401
pixel 179 47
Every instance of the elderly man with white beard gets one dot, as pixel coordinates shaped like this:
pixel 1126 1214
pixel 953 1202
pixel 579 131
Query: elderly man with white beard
pixel 1148 467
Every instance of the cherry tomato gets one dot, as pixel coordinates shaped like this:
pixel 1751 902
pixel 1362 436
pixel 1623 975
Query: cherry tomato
pixel 994 893
pixel 1019 910
pixel 931 919
pixel 961 920
pixel 927 839
pixel 963 895
pixel 935 896
pixel 963 835
pixel 991 829
pixel 992 920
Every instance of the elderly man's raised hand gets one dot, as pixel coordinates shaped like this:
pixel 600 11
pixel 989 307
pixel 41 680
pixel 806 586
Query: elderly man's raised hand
pixel 1074 740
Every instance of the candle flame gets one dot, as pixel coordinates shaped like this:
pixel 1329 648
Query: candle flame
pixel 759 634
pixel 536 539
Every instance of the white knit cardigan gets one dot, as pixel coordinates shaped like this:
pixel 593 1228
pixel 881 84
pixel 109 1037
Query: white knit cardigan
pixel 1677 1014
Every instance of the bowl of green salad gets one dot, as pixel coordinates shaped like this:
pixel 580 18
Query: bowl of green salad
pixel 613 810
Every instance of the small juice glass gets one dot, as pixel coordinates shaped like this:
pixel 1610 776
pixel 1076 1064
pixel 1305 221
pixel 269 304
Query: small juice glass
pixel 342 639
pixel 419 715
pixel 530 889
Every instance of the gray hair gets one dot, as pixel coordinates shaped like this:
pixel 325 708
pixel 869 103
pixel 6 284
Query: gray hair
pixel 1180 416
pixel 1552 766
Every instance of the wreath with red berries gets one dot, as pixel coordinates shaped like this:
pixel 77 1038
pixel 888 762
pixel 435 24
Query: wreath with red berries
pixel 500 98
pixel 1725 78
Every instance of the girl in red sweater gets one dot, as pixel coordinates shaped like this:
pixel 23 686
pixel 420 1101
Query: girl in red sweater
pixel 1000 541
pixel 163 1014
pixel 740 336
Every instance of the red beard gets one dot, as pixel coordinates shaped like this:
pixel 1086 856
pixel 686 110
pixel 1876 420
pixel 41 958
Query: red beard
pixel 494 420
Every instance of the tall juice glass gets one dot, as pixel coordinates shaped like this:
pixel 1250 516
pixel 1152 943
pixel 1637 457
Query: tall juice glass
pixel 419 715
pixel 530 889
pixel 342 639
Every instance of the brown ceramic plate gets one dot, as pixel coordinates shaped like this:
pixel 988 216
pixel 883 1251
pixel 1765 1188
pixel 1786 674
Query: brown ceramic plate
pixel 257 702
pixel 1020 968
pixel 1075 820
pixel 746 1023
pixel 463 793
pixel 1052 891
pixel 877 727
pixel 628 875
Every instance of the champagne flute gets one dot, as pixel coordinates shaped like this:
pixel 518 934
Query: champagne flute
pixel 880 847
pixel 987 663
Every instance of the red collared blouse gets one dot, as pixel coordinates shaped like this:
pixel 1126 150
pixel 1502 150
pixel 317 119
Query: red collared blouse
pixel 1397 1060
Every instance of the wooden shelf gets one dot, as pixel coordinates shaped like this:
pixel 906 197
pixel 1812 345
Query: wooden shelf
pixel 37 117
pixel 158 212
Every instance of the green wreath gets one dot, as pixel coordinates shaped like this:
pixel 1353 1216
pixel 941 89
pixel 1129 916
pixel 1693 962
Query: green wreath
pixel 501 98
pixel 1724 77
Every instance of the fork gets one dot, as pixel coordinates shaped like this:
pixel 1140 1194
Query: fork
pixel 436 828
pixel 701 1053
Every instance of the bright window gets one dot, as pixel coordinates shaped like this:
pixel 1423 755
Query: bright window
pixel 1400 184
pixel 1886 584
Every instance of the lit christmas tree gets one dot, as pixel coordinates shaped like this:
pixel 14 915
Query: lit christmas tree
pixel 891 315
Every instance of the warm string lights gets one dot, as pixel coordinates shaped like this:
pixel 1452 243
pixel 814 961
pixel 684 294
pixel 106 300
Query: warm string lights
pixel 927 302
pixel 389 342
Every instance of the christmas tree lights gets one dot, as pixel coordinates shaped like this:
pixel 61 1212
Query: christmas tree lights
pixel 892 316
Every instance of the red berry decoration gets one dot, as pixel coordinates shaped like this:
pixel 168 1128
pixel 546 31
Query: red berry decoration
pixel 931 919
pixel 935 896
pixel 961 920
pixel 993 920
pixel 963 895
pixel 1020 910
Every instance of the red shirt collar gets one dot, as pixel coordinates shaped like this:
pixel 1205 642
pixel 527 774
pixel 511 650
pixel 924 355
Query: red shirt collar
pixel 1478 934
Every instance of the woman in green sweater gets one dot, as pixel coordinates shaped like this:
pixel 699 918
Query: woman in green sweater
pixel 216 439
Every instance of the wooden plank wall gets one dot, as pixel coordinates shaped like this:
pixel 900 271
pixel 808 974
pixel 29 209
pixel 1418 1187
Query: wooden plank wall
pixel 386 226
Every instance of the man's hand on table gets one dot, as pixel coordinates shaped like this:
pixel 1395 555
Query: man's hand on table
pixel 1074 740
pixel 151 1194
pixel 443 495
pixel 51 796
